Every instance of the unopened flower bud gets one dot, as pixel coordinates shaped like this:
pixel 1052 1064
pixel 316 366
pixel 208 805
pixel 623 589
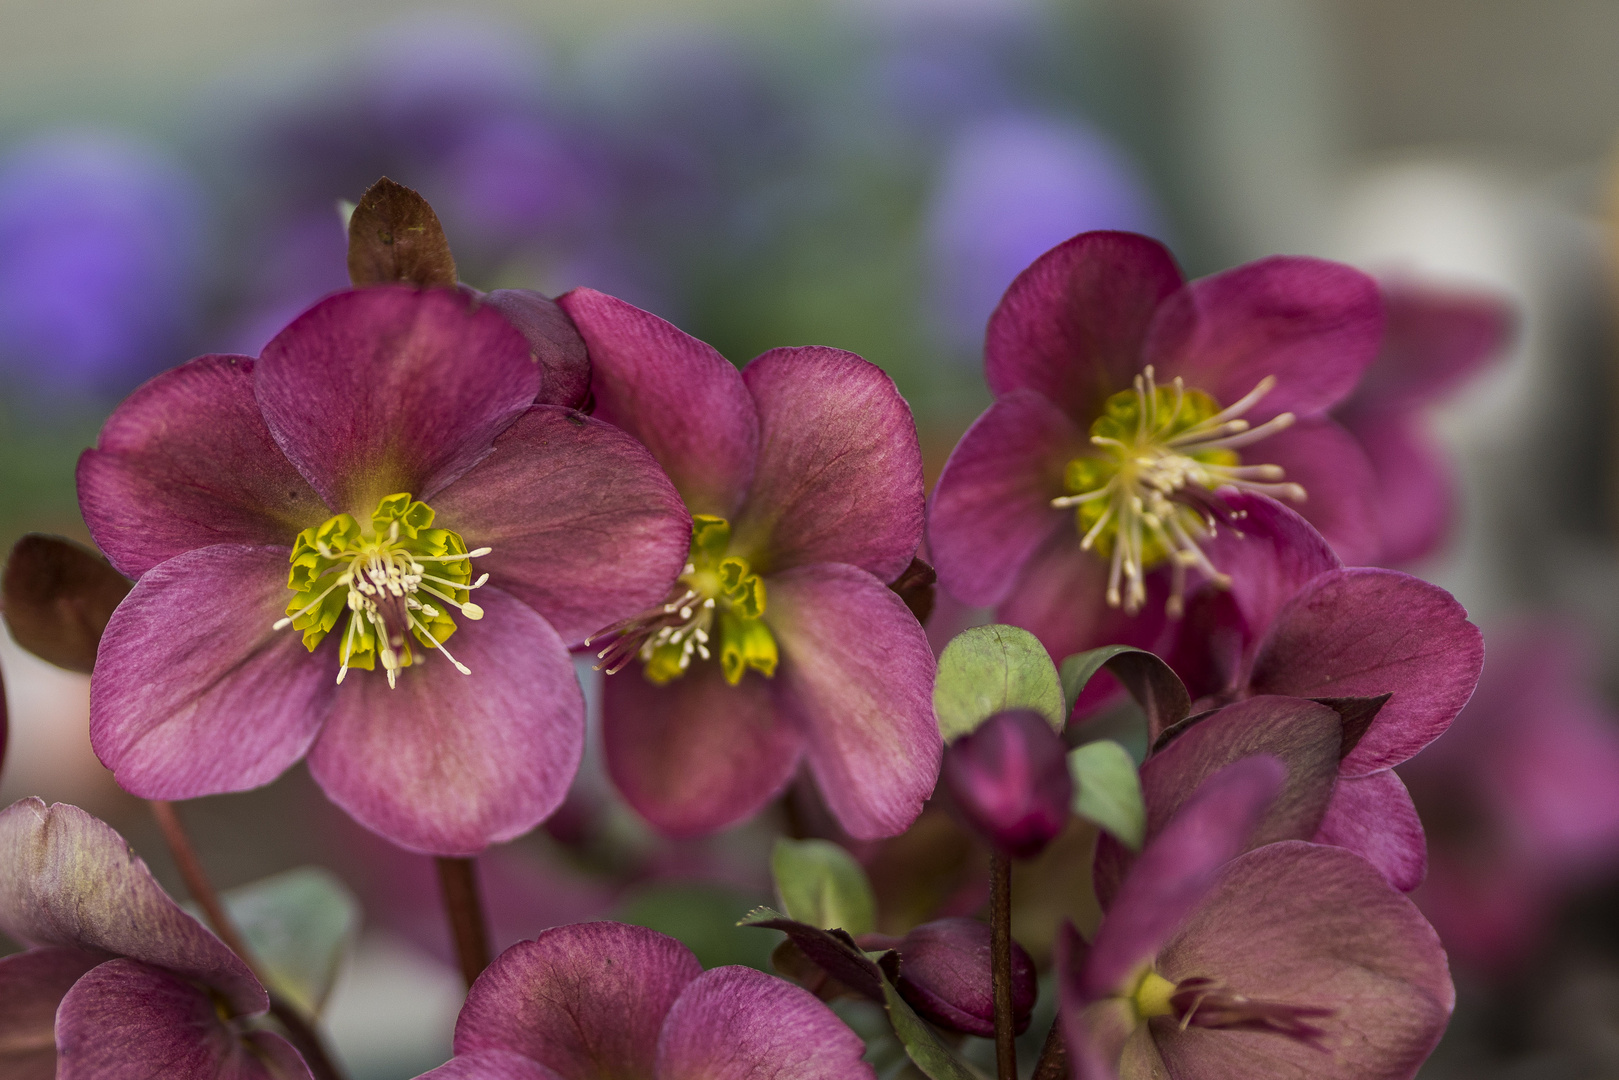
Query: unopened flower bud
pixel 1010 780
pixel 944 973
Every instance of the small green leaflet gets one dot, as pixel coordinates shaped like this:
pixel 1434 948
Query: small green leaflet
pixel 1107 791
pixel 820 883
pixel 990 669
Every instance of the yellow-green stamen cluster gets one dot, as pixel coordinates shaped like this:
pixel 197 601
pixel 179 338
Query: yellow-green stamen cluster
pixel 397 575
pixel 1144 496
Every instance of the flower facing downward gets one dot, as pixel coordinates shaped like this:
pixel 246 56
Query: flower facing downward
pixel 1010 780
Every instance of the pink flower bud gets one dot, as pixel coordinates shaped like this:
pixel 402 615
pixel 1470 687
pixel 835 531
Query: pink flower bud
pixel 944 973
pixel 1010 780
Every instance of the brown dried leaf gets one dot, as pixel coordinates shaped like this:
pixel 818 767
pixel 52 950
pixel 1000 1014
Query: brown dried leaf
pixel 395 236
pixel 58 596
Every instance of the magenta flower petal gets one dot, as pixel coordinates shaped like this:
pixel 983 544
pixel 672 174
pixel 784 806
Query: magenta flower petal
pixel 991 509
pixel 72 882
pixel 1060 598
pixel 32 984
pixel 1366 632
pixel 1009 779
pixel 195 692
pixel 1072 326
pixel 129 1021
pixel 735 1023
pixel 696 754
pixel 584 526
pixel 448 763
pixel 857 676
pixel 553 342
pixel 1436 339
pixel 187 461
pixel 677 395
pixel 1314 325
pixel 386 389
pixel 1270 552
pixel 1106 1043
pixel 1311 926
pixel 1373 816
pixel 945 975
pixel 1178 868
pixel 490 1065
pixel 1415 489
pixel 555 1001
pixel 839 475
pixel 1341 488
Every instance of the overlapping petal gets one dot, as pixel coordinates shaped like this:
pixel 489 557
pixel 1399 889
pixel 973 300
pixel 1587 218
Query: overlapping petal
pixel 32 984
pixel 1436 339
pixel 1061 598
pixel 553 343
pixel 1373 816
pixel 1415 489
pixel 1341 492
pixel 448 763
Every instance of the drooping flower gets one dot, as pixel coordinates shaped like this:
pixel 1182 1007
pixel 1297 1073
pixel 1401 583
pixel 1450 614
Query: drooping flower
pixel 601 1001
pixel 1292 959
pixel 1126 401
pixel 1009 779
pixel 118 982
pixel 781 640
pixel 308 531
pixel 1520 798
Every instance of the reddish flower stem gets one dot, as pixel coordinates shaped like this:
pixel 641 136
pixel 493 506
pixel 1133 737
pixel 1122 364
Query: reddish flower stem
pixel 1000 944
pixel 458 881
pixel 300 1032
pixel 1053 1063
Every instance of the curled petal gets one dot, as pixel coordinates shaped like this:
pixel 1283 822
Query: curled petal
pixel 1270 553
pixel 32 985
pixel 1436 339
pixel 448 763
pixel 1373 816
pixel 1340 486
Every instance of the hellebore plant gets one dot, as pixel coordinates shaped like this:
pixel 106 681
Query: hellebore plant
pixel 1127 400
pixel 118 981
pixel 601 1001
pixel 782 639
pixel 369 546
pixel 1292 959
pixel 1010 780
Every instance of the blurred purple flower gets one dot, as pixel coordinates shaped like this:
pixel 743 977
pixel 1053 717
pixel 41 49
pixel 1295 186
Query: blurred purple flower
pixel 604 1001
pixel 1009 779
pixel 100 279
pixel 119 983
pixel 1521 797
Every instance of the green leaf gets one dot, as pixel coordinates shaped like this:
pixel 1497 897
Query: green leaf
pixel 922 1043
pixel 990 669
pixel 820 883
pixel 703 918
pixel 300 925
pixel 1153 683
pixel 1107 791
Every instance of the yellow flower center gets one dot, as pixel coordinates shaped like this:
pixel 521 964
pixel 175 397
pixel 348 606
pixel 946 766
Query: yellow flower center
pixel 1145 496
pixel 396 580
pixel 1153 996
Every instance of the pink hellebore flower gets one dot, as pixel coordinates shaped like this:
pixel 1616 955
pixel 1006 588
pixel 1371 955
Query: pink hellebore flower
pixel 782 639
pixel 1009 779
pixel 604 1001
pixel 386 450
pixel 119 984
pixel 1126 400
pixel 1288 960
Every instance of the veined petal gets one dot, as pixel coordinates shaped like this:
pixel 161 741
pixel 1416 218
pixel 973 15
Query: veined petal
pixel 553 343
pixel 696 754
pixel 31 986
pixel 1373 816
pixel 1415 502
pixel 856 676
pixel 387 389
pixel 735 1023
pixel 583 525
pixel 839 472
pixel 677 395
pixel 130 1021
pixel 1270 553
pixel 586 1000
pixel 1061 598
pixel 72 882
pixel 1314 325
pixel 991 509
pixel 187 461
pixel 1365 632
pixel 1072 326
pixel 1341 495
pixel 194 691
pixel 447 763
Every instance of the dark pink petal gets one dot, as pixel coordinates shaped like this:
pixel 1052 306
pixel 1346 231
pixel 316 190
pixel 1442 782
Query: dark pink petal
pixel 1314 325
pixel 1177 870
pixel 1340 487
pixel 1415 489
pixel 696 754
pixel 839 474
pixel 584 526
pixel 1314 926
pixel 586 1000
pixel 1072 326
pixel 553 343
pixel 856 676
pixel 187 461
pixel 448 763
pixel 1304 736
pixel 1009 779
pixel 388 389
pixel 1366 632
pixel 490 1065
pixel 945 975
pixel 735 1023
pixel 677 395
pixel 194 691
pixel 31 986
pixel 1270 553
pixel 129 1021
pixel 71 881
pixel 1105 1038
pixel 1436 339
pixel 991 509
pixel 1373 816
